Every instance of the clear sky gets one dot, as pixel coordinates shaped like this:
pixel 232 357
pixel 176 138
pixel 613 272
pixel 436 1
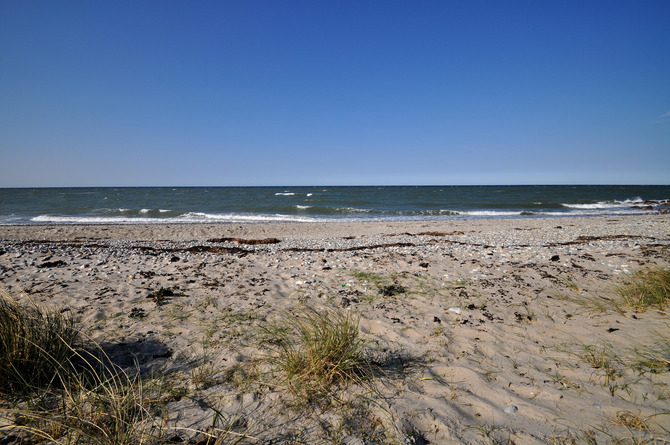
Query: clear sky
pixel 246 92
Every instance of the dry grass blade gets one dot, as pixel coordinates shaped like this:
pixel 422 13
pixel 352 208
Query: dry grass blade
pixel 96 402
pixel 647 288
pixel 631 420
pixel 655 355
pixel 57 392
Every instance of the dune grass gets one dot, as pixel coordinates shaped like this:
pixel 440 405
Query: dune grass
pixel 646 288
pixel 654 355
pixel 319 349
pixel 53 389
pixel 98 404
pixel 35 344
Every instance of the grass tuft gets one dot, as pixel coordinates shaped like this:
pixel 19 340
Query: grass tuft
pixel 55 390
pixel 646 288
pixel 319 349
pixel 654 356
pixel 35 343
pixel 97 403
pixel 630 419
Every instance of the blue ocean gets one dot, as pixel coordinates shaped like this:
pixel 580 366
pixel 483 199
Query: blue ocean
pixel 146 205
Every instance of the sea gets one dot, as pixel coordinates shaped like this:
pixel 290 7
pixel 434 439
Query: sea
pixel 196 205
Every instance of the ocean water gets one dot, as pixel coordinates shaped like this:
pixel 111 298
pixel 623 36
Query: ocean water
pixel 126 205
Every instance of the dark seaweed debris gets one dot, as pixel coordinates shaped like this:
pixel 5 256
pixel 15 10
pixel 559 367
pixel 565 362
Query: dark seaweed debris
pixel 160 296
pixel 391 290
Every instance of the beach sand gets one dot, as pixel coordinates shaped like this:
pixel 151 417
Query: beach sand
pixel 496 331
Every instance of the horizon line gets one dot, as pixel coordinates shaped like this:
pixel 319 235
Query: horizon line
pixel 339 185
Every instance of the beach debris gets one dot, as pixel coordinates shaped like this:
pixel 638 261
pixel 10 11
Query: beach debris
pixel 555 258
pixel 455 310
pixel 424 265
pixel 346 301
pixel 49 264
pixel 436 319
pixel 525 317
pixel 391 290
pixel 511 409
pixel 250 242
pixel 137 312
pixel 160 296
pixel 456 232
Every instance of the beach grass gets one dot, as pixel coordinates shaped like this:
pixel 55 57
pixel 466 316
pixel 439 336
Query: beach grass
pixel 94 402
pixel 57 390
pixel 654 356
pixel 35 344
pixel 57 387
pixel 99 403
pixel 646 288
pixel 319 349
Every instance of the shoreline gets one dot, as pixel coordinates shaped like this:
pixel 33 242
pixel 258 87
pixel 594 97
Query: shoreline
pixel 491 325
pixel 302 229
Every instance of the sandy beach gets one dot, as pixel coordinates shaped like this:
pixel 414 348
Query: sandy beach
pixel 491 331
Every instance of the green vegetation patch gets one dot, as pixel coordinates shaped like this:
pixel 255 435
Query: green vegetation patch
pixel 646 288
pixel 319 349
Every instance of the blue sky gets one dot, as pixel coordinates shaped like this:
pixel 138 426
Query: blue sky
pixel 251 92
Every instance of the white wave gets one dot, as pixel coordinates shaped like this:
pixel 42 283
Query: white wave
pixel 194 217
pixel 597 205
pixel 309 194
pixel 284 194
pixel 303 207
pixel 163 210
pixel 93 220
pixel 145 210
pixel 489 213
pixel 607 204
pixel 232 217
